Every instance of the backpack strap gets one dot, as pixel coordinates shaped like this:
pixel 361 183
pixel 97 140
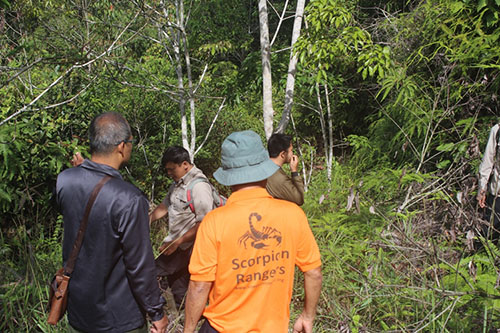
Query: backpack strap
pixel 189 191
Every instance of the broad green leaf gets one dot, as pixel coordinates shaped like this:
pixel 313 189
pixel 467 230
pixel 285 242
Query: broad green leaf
pixel 456 6
pixel 443 164
pixel 380 71
pixel 445 147
pixel 5 196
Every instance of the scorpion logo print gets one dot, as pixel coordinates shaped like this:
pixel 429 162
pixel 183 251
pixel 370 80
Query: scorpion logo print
pixel 259 239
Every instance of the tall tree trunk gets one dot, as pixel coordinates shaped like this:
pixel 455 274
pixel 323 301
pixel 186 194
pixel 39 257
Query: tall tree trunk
pixel 267 87
pixel 190 147
pixel 326 126
pixel 182 94
pixel 177 45
pixel 329 154
pixel 292 68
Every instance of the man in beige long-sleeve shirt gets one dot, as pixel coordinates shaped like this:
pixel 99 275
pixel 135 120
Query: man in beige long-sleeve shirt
pixel 489 186
pixel 280 185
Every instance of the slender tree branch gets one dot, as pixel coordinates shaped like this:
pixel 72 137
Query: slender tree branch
pixel 68 100
pixel 68 71
pixel 280 21
pixel 211 126
pixel 20 71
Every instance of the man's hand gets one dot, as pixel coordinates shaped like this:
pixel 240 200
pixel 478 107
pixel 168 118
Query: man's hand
pixel 303 324
pixel 481 198
pixel 77 159
pixel 294 163
pixel 169 247
pixel 160 326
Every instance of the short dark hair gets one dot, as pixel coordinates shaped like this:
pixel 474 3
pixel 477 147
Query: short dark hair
pixel 175 154
pixel 106 131
pixel 277 143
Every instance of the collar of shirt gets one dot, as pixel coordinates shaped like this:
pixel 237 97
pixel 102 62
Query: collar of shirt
pixel 254 193
pixel 103 168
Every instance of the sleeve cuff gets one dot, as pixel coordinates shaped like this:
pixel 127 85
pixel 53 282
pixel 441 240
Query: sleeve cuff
pixel 310 266
pixel 295 174
pixel 157 315
pixel 203 278
pixel 157 312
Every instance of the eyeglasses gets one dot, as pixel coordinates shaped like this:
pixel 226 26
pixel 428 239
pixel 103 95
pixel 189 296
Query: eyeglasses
pixel 132 141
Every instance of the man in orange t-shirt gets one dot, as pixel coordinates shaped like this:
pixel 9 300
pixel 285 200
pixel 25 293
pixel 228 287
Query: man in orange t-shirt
pixel 245 252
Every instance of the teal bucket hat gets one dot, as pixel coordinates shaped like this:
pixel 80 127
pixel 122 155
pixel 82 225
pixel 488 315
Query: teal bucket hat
pixel 244 160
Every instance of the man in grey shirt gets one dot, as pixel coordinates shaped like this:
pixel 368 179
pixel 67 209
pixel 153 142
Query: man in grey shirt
pixel 183 221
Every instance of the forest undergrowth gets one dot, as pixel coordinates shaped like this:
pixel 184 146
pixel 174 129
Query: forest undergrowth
pixel 408 91
pixel 401 252
pixel 387 267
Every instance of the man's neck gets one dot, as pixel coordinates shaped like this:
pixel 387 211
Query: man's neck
pixel 106 160
pixel 278 161
pixel 249 186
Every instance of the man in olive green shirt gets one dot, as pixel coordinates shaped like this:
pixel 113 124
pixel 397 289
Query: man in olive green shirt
pixel 280 185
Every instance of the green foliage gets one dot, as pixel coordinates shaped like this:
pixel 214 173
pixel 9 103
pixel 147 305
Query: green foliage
pixel 28 259
pixel 472 282
pixel 224 37
pixel 383 268
pixel 434 95
pixel 333 38
pixel 31 152
pixel 413 86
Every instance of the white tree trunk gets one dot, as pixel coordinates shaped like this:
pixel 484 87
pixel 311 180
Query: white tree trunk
pixel 267 87
pixel 177 46
pixel 329 154
pixel 292 68
pixel 176 35
pixel 182 97
pixel 191 146
pixel 326 129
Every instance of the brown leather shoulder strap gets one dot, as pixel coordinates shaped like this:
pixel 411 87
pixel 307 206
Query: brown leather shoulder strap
pixel 70 264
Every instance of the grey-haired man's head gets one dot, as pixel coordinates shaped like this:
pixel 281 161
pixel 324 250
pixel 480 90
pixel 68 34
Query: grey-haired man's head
pixel 106 131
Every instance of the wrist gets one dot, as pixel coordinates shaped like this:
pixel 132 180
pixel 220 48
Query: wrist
pixel 189 329
pixel 307 315
pixel 295 173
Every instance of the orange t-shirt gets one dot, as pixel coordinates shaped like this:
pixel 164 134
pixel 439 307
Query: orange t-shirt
pixel 249 249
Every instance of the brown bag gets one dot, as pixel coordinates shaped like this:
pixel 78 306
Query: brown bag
pixel 58 296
